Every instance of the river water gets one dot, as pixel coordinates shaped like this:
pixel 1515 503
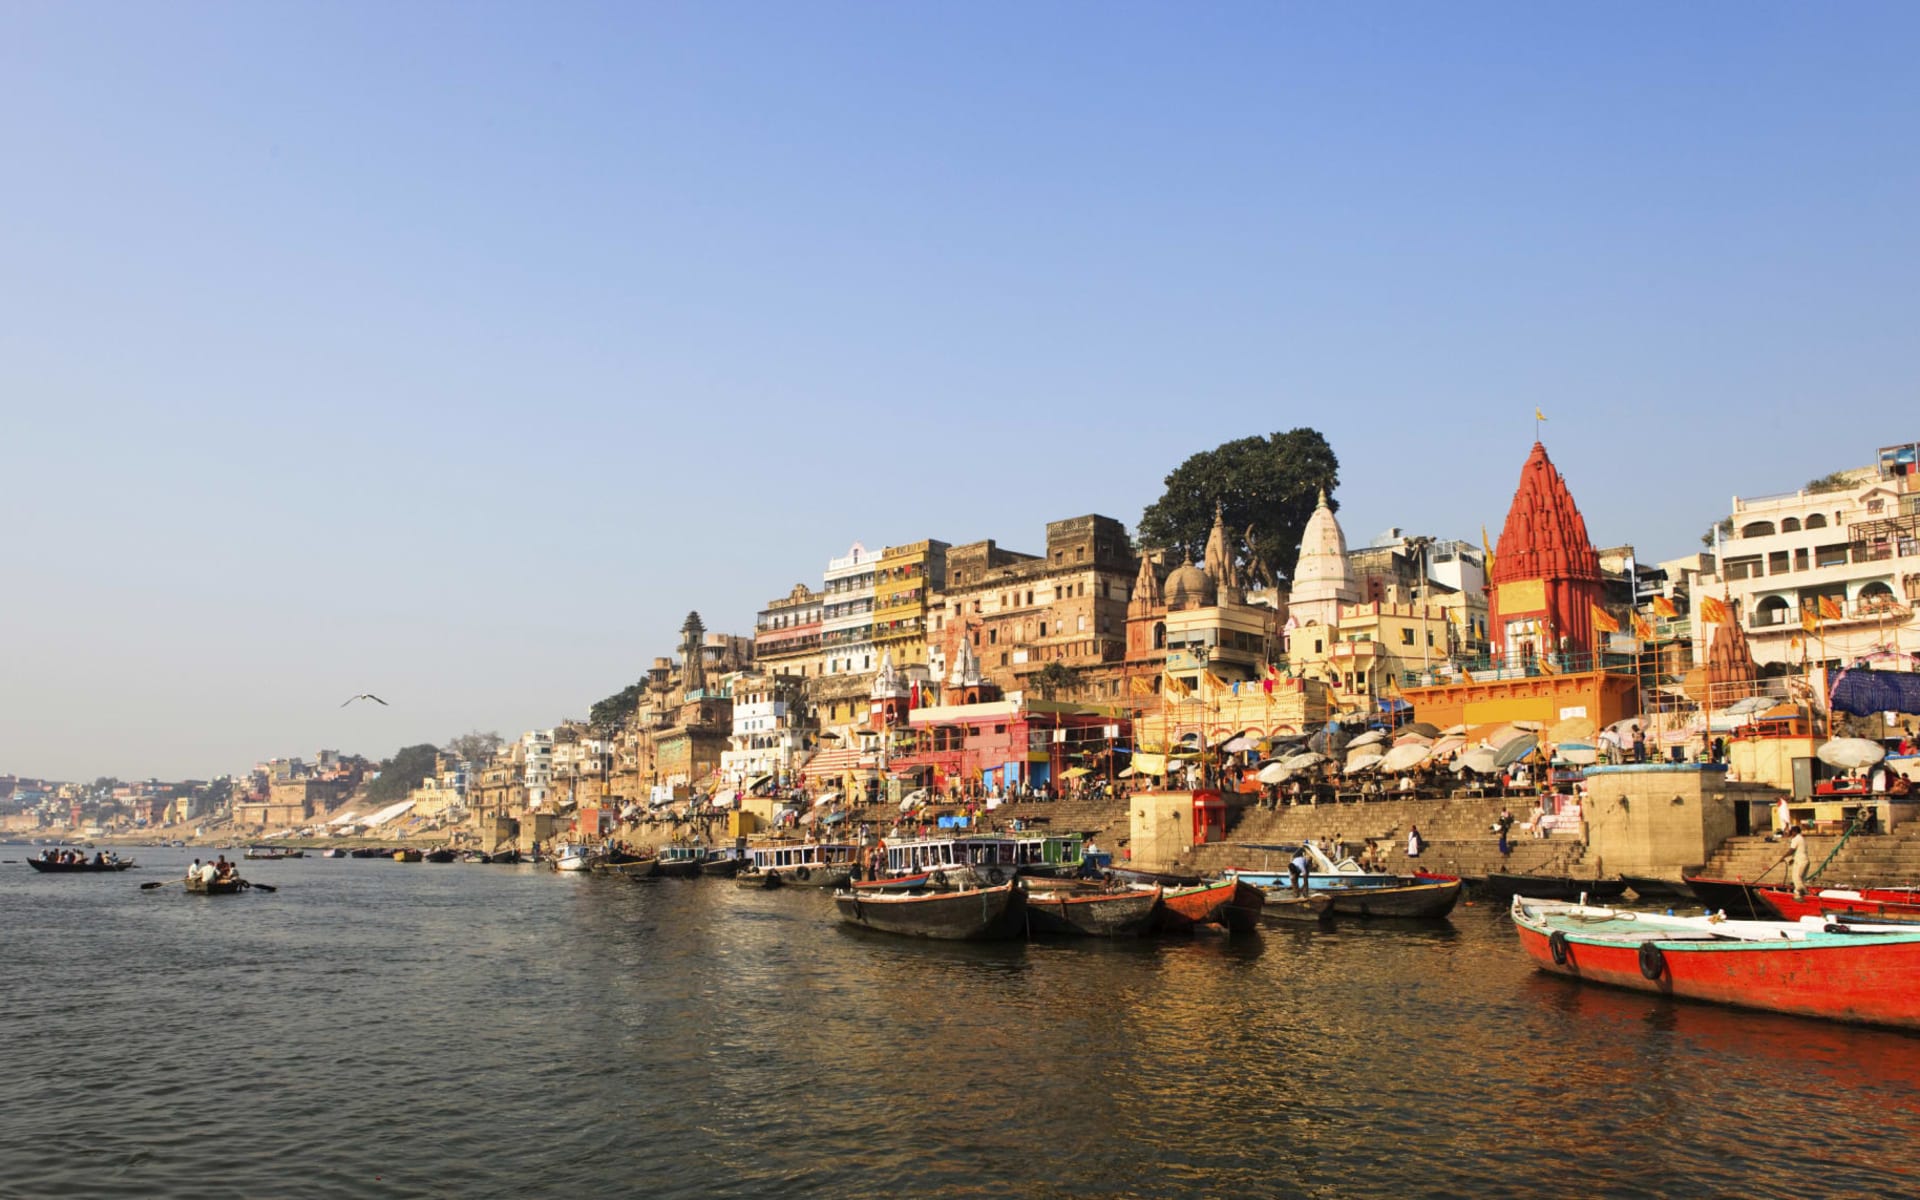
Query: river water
pixel 380 1029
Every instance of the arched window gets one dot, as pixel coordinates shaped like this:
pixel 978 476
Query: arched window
pixel 1874 597
pixel 1790 525
pixel 1817 521
pixel 1756 529
pixel 1159 636
pixel 1771 611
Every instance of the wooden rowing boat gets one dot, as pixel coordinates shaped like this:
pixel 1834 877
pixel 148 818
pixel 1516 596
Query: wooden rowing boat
pixel 1898 906
pixel 973 915
pixel 1807 969
pixel 1231 902
pixel 1073 912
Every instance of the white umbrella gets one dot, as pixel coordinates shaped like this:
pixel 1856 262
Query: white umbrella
pixel 1301 762
pixel 825 797
pixel 1402 758
pixel 1530 726
pixel 1413 739
pixel 1573 729
pixel 1480 761
pixel 1239 745
pixel 1453 731
pixel 1850 754
pixel 1363 762
pixel 1367 739
pixel 1447 746
pixel 1273 772
pixel 1578 754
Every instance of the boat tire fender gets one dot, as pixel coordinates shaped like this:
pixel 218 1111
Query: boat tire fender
pixel 803 874
pixel 1653 961
pixel 996 875
pixel 1557 946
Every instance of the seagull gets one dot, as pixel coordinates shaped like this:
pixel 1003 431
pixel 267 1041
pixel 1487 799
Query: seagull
pixel 364 696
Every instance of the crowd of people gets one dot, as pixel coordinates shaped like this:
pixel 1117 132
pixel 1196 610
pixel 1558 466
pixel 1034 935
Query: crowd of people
pixel 72 857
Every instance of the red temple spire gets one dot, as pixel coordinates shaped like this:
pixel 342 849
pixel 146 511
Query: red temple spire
pixel 1545 551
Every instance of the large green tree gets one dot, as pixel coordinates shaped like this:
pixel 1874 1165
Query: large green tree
pixel 402 773
pixel 609 715
pixel 1266 485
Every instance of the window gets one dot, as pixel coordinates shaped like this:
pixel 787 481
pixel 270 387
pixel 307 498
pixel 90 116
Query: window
pixel 1080 555
pixel 1317 647
pixel 1756 529
pixel 1816 521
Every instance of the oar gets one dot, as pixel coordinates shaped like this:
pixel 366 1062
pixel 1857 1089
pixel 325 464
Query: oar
pixel 158 883
pixel 265 887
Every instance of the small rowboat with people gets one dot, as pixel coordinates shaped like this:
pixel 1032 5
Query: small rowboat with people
pixel 1810 968
pixel 1892 906
pixel 230 886
pixel 77 864
pixel 969 915
pixel 1077 912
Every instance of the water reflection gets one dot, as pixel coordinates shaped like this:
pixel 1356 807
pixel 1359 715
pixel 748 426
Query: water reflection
pixel 429 1030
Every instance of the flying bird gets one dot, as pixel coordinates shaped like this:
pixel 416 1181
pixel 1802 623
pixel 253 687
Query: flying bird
pixel 364 696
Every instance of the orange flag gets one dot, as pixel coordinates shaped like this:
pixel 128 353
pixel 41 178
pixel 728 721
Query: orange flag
pixel 1603 620
pixel 1713 612
pixel 1809 620
pixel 1642 628
pixel 1830 609
pixel 1664 608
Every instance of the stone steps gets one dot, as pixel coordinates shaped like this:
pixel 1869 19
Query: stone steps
pixel 1879 860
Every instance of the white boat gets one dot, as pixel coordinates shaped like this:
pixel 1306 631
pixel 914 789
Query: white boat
pixel 574 858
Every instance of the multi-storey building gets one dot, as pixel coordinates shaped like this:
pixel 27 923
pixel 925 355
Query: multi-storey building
pixel 537 773
pixel 786 634
pixel 904 581
pixel 846 613
pixel 1831 571
pixel 1022 612
pixel 769 731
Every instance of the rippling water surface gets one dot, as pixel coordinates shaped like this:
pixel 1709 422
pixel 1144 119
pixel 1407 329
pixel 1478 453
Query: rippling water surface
pixel 379 1029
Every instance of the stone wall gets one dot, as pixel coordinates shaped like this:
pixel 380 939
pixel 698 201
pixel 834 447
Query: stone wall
pixel 1661 819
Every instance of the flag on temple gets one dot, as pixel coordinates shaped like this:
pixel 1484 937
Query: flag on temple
pixel 1538 415
pixel 1466 676
pixel 1642 628
pixel 1809 620
pixel 1172 686
pixel 1830 609
pixel 1488 547
pixel 1713 612
pixel 1664 608
pixel 1140 685
pixel 1603 620
pixel 1546 666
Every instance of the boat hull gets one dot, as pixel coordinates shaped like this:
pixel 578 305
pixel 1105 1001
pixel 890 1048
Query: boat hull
pixel 720 868
pixel 219 887
pixel 1285 908
pixel 1893 906
pixel 1735 897
pixel 1093 914
pixel 677 868
pixel 1424 901
pixel 1232 903
pixel 981 914
pixel 1554 887
pixel 1861 977
pixel 757 881
pixel 814 875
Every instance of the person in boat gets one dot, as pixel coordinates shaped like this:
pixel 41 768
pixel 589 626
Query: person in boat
pixel 1297 871
pixel 209 873
pixel 222 869
pixel 193 872
pixel 1797 851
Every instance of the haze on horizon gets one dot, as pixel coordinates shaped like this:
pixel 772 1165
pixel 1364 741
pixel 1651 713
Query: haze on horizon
pixel 454 354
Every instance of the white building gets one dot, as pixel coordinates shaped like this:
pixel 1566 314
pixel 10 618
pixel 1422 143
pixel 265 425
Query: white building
pixel 538 746
pixel 846 612
pixel 1854 545
pixel 767 739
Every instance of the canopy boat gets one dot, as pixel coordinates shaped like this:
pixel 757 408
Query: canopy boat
pixel 1079 913
pixel 232 885
pixel 1285 907
pixel 1231 902
pixel 752 879
pixel 972 915
pixel 368 852
pixel 994 859
pixel 270 853
pixel 1051 855
pixel 1137 877
pixel 1894 906
pixel 1734 897
pixel 574 858
pixel 807 864
pixel 681 862
pixel 82 867
pixel 1811 969
pixel 1554 887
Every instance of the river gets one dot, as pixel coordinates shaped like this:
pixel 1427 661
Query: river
pixel 380 1029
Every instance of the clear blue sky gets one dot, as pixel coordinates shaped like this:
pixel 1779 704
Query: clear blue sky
pixel 454 352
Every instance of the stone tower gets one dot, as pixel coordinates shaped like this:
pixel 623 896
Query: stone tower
pixel 693 672
pixel 1322 579
pixel 1546 576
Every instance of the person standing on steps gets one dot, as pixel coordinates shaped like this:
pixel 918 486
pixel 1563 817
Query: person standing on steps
pixel 1797 851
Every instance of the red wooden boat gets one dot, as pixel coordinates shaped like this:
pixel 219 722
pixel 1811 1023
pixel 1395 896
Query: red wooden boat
pixel 1900 906
pixel 1231 902
pixel 1804 969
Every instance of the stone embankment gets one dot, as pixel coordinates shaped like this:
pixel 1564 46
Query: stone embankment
pixel 1867 860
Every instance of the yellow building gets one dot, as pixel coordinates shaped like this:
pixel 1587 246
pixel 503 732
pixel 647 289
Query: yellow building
pixel 903 581
pixel 1364 657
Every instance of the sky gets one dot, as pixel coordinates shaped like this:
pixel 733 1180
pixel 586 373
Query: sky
pixel 454 352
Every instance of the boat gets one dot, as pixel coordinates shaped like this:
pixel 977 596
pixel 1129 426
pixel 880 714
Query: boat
pixel 1734 897
pixel 807 864
pixel 1810 969
pixel 1420 900
pixel 508 858
pixel 1135 877
pixel 1647 887
pixel 83 867
pixel 681 862
pixel 407 856
pixel 1230 902
pixel 333 852
pixel 723 863
pixel 439 854
pixel 894 883
pixel 627 866
pixel 754 880
pixel 266 854
pixel 1285 907
pixel 574 858
pixel 996 859
pixel 1553 887
pixel 971 915
pixel 1894 906
pixel 1080 913
pixel 1323 873
pixel 196 886
pixel 473 857
pixel 369 852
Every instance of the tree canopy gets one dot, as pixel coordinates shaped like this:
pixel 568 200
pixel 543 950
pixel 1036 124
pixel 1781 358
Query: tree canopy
pixel 1268 485
pixel 1054 678
pixel 474 746
pixel 402 773
pixel 610 714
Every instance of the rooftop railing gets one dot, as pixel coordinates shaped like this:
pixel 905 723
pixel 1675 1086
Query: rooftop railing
pixel 1488 667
